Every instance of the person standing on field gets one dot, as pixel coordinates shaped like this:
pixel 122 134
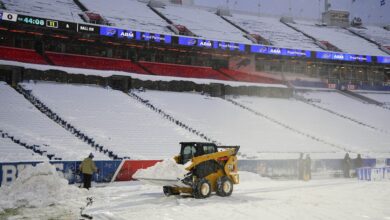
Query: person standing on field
pixel 347 163
pixel 88 167
pixel 300 166
pixel 307 168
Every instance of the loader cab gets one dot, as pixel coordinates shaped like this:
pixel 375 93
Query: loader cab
pixel 195 149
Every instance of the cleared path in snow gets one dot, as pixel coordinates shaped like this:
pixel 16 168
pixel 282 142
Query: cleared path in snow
pixel 254 198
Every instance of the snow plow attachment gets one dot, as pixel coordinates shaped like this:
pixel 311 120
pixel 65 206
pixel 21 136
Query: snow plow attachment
pixel 163 182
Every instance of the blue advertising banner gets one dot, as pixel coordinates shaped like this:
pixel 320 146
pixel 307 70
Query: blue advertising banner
pixel 126 34
pixel 108 31
pixel 279 51
pixel 343 57
pixel 373 174
pixel 129 34
pixel 9 171
pixel 145 36
pixel 384 60
pixel 190 41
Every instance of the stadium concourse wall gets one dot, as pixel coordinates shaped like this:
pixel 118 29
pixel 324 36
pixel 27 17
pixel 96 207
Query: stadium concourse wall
pixel 123 170
pixel 15 74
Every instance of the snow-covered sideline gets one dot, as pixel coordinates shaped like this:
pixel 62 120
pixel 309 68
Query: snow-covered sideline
pixel 41 193
pixel 254 198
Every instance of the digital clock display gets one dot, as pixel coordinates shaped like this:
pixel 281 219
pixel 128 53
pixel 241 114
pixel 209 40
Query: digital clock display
pixel 31 20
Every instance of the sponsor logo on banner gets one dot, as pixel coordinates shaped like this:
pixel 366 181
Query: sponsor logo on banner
pixel 108 31
pixel 126 34
pixel 204 43
pixel 9 16
pixel 338 57
pixel 275 51
pixel 187 41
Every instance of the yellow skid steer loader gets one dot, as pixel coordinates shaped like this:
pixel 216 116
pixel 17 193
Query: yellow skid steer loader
pixel 211 168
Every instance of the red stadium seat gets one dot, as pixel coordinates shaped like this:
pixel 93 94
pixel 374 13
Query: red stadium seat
pixel 165 69
pixel 21 55
pixel 90 62
pixel 246 77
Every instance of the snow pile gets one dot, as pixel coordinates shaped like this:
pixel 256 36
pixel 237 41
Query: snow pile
pixel 165 170
pixel 251 177
pixel 41 187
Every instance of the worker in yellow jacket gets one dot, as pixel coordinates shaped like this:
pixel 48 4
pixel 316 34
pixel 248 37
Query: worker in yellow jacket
pixel 88 167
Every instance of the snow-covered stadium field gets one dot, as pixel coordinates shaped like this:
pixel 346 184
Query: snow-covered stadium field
pixel 254 198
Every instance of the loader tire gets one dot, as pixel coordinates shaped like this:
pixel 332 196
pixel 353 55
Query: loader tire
pixel 224 186
pixel 202 189
pixel 167 190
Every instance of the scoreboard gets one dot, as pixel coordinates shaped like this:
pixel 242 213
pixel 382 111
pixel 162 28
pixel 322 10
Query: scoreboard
pixel 48 23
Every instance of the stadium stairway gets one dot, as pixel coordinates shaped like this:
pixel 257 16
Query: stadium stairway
pixel 171 118
pixel 36 149
pixel 380 46
pixel 66 125
pixel 362 98
pixel 257 113
pixel 358 97
pixel 310 102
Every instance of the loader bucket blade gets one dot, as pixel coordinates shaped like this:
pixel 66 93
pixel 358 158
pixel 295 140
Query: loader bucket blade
pixel 163 182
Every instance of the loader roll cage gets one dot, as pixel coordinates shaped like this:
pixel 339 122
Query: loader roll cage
pixel 196 149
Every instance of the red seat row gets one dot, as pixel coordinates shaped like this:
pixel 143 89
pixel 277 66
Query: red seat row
pixel 166 69
pixel 143 67
pixel 21 55
pixel 246 77
pixel 90 62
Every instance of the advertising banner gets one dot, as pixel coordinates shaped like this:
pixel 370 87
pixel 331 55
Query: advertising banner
pixel 343 57
pixel 203 43
pixel 384 60
pixel 107 169
pixel 373 174
pixel 280 51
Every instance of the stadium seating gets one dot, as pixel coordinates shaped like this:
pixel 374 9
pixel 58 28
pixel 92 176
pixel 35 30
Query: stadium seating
pixel 165 69
pixel 241 76
pixel 21 55
pixel 90 62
